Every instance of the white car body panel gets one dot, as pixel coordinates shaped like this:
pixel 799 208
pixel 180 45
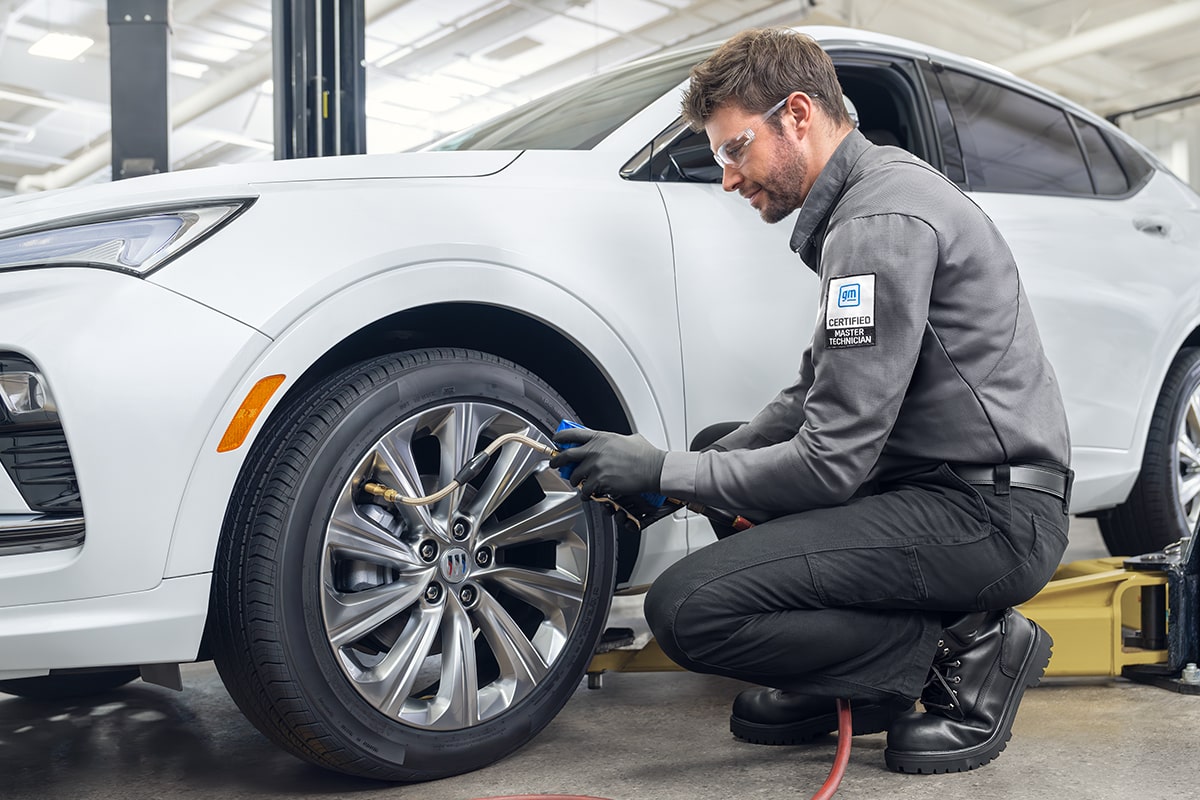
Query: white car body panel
pixel 188 355
pixel 199 521
pixel 693 309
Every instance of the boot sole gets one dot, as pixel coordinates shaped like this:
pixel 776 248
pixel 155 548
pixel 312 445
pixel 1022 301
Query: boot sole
pixel 872 719
pixel 1037 658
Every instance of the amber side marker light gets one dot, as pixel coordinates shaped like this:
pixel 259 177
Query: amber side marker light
pixel 247 413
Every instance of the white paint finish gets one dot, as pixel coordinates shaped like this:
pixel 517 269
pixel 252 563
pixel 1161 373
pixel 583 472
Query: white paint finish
pixel 11 501
pixel 139 374
pixel 162 625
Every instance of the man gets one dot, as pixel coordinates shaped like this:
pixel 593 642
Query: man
pixel 913 480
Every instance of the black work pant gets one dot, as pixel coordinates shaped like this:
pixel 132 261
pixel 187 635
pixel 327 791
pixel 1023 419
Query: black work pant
pixel 849 601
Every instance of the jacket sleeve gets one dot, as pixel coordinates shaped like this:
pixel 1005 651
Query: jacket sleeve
pixel 879 267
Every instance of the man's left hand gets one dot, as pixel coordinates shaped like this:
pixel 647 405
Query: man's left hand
pixel 610 463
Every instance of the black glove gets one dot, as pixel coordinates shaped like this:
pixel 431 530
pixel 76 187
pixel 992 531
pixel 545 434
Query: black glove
pixel 609 463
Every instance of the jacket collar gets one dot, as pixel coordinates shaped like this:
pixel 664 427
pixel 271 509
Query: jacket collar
pixel 825 193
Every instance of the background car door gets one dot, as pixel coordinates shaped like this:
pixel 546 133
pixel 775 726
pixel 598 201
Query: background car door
pixel 1095 232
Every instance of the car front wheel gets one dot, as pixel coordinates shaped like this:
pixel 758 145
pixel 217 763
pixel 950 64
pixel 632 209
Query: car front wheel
pixel 409 642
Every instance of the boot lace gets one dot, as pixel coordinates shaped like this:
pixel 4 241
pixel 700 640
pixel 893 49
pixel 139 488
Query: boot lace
pixel 940 694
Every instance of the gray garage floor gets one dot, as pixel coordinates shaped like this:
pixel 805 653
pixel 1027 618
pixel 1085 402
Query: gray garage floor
pixel 641 736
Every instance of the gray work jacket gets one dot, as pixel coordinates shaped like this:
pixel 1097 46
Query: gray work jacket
pixel 925 349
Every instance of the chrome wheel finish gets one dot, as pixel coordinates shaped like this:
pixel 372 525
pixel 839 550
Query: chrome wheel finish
pixel 1187 448
pixel 510 570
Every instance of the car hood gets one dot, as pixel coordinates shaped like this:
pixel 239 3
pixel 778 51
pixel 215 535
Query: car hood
pixel 240 180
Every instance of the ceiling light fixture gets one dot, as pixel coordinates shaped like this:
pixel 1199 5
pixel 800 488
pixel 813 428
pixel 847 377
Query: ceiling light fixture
pixel 61 45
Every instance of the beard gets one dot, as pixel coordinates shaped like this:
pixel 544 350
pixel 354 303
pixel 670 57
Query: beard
pixel 782 187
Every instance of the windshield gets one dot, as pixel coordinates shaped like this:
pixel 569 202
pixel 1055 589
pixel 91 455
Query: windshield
pixel 579 116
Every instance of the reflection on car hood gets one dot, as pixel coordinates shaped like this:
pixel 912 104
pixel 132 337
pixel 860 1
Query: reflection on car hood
pixel 239 180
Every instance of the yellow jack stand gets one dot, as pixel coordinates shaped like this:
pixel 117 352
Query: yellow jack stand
pixel 1087 608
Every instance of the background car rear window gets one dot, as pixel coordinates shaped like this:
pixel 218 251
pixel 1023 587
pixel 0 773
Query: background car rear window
pixel 579 116
pixel 1012 142
pixel 1106 171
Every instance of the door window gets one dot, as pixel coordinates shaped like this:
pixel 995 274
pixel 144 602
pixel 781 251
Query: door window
pixel 1107 174
pixel 1013 142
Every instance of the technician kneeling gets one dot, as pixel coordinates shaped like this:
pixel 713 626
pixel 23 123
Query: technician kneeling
pixel 913 479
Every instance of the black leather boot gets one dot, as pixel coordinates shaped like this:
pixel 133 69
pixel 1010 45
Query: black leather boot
pixel 773 716
pixel 983 666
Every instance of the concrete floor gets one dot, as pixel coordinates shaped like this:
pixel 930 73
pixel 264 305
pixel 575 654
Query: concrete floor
pixel 641 736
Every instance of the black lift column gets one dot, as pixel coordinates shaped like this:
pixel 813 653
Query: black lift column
pixel 139 57
pixel 320 78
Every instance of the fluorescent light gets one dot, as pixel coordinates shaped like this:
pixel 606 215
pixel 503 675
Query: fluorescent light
pixel 188 69
pixel 61 45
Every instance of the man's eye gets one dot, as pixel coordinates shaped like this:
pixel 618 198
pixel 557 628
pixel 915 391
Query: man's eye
pixel 734 149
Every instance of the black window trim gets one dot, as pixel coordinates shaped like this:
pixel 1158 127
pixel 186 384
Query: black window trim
pixel 1071 111
pixel 637 166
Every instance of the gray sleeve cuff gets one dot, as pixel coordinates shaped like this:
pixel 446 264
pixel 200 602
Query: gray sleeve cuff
pixel 679 475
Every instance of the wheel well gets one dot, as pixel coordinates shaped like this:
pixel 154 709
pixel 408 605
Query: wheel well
pixel 503 332
pixel 528 342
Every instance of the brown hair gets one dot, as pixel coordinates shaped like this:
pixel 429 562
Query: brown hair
pixel 759 67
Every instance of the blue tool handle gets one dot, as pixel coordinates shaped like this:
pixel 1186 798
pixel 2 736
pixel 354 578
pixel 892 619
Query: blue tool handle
pixel 655 500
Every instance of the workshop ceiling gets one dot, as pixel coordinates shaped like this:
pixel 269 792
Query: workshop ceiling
pixel 434 66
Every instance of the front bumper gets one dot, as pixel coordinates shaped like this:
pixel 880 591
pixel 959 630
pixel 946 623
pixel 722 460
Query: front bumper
pixel 139 374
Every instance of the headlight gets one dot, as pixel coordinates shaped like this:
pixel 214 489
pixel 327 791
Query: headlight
pixel 138 244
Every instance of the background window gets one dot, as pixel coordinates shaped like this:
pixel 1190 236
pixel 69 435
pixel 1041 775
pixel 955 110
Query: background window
pixel 1012 142
pixel 1106 171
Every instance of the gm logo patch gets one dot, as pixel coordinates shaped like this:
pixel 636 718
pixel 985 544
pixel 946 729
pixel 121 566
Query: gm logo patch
pixel 850 295
pixel 850 312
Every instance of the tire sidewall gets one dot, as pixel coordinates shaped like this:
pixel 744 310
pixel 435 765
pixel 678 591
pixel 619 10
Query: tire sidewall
pixel 423 754
pixel 1188 371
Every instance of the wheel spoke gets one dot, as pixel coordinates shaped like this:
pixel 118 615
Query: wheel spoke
pixel 1191 419
pixel 1188 452
pixel 511 466
pixel 458 441
pixel 389 683
pixel 349 616
pixel 457 705
pixel 395 450
pixel 552 592
pixel 519 660
pixel 555 519
pixel 1189 487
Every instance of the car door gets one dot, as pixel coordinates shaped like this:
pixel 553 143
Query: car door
pixel 1094 230
pixel 747 303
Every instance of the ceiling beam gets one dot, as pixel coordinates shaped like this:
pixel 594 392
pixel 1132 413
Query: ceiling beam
pixel 1104 37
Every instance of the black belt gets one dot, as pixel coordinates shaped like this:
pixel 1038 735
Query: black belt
pixel 1051 480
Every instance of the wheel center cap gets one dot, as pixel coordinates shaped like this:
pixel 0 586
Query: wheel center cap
pixel 454 564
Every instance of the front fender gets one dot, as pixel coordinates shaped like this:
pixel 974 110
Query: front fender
pixel 321 327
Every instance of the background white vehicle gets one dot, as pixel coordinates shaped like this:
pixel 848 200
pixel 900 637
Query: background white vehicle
pixel 391 315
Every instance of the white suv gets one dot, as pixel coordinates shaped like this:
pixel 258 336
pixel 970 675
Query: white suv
pixel 202 373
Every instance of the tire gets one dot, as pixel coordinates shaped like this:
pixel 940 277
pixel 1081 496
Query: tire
pixel 1164 504
pixel 341 635
pixel 69 685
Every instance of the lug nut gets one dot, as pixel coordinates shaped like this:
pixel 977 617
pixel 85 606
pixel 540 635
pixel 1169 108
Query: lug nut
pixel 467 595
pixel 433 592
pixel 428 550
pixel 460 529
pixel 484 557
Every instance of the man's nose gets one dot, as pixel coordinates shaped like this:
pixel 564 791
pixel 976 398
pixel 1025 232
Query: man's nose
pixel 730 178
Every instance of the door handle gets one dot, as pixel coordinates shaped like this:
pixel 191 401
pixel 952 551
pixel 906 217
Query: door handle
pixel 1153 226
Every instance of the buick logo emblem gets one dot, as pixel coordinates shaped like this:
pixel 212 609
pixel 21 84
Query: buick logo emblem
pixel 454 565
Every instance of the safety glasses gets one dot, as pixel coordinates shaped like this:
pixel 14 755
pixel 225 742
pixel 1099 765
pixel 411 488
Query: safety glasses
pixel 732 152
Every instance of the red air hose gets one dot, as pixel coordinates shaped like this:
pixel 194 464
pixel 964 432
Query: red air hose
pixel 842 757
